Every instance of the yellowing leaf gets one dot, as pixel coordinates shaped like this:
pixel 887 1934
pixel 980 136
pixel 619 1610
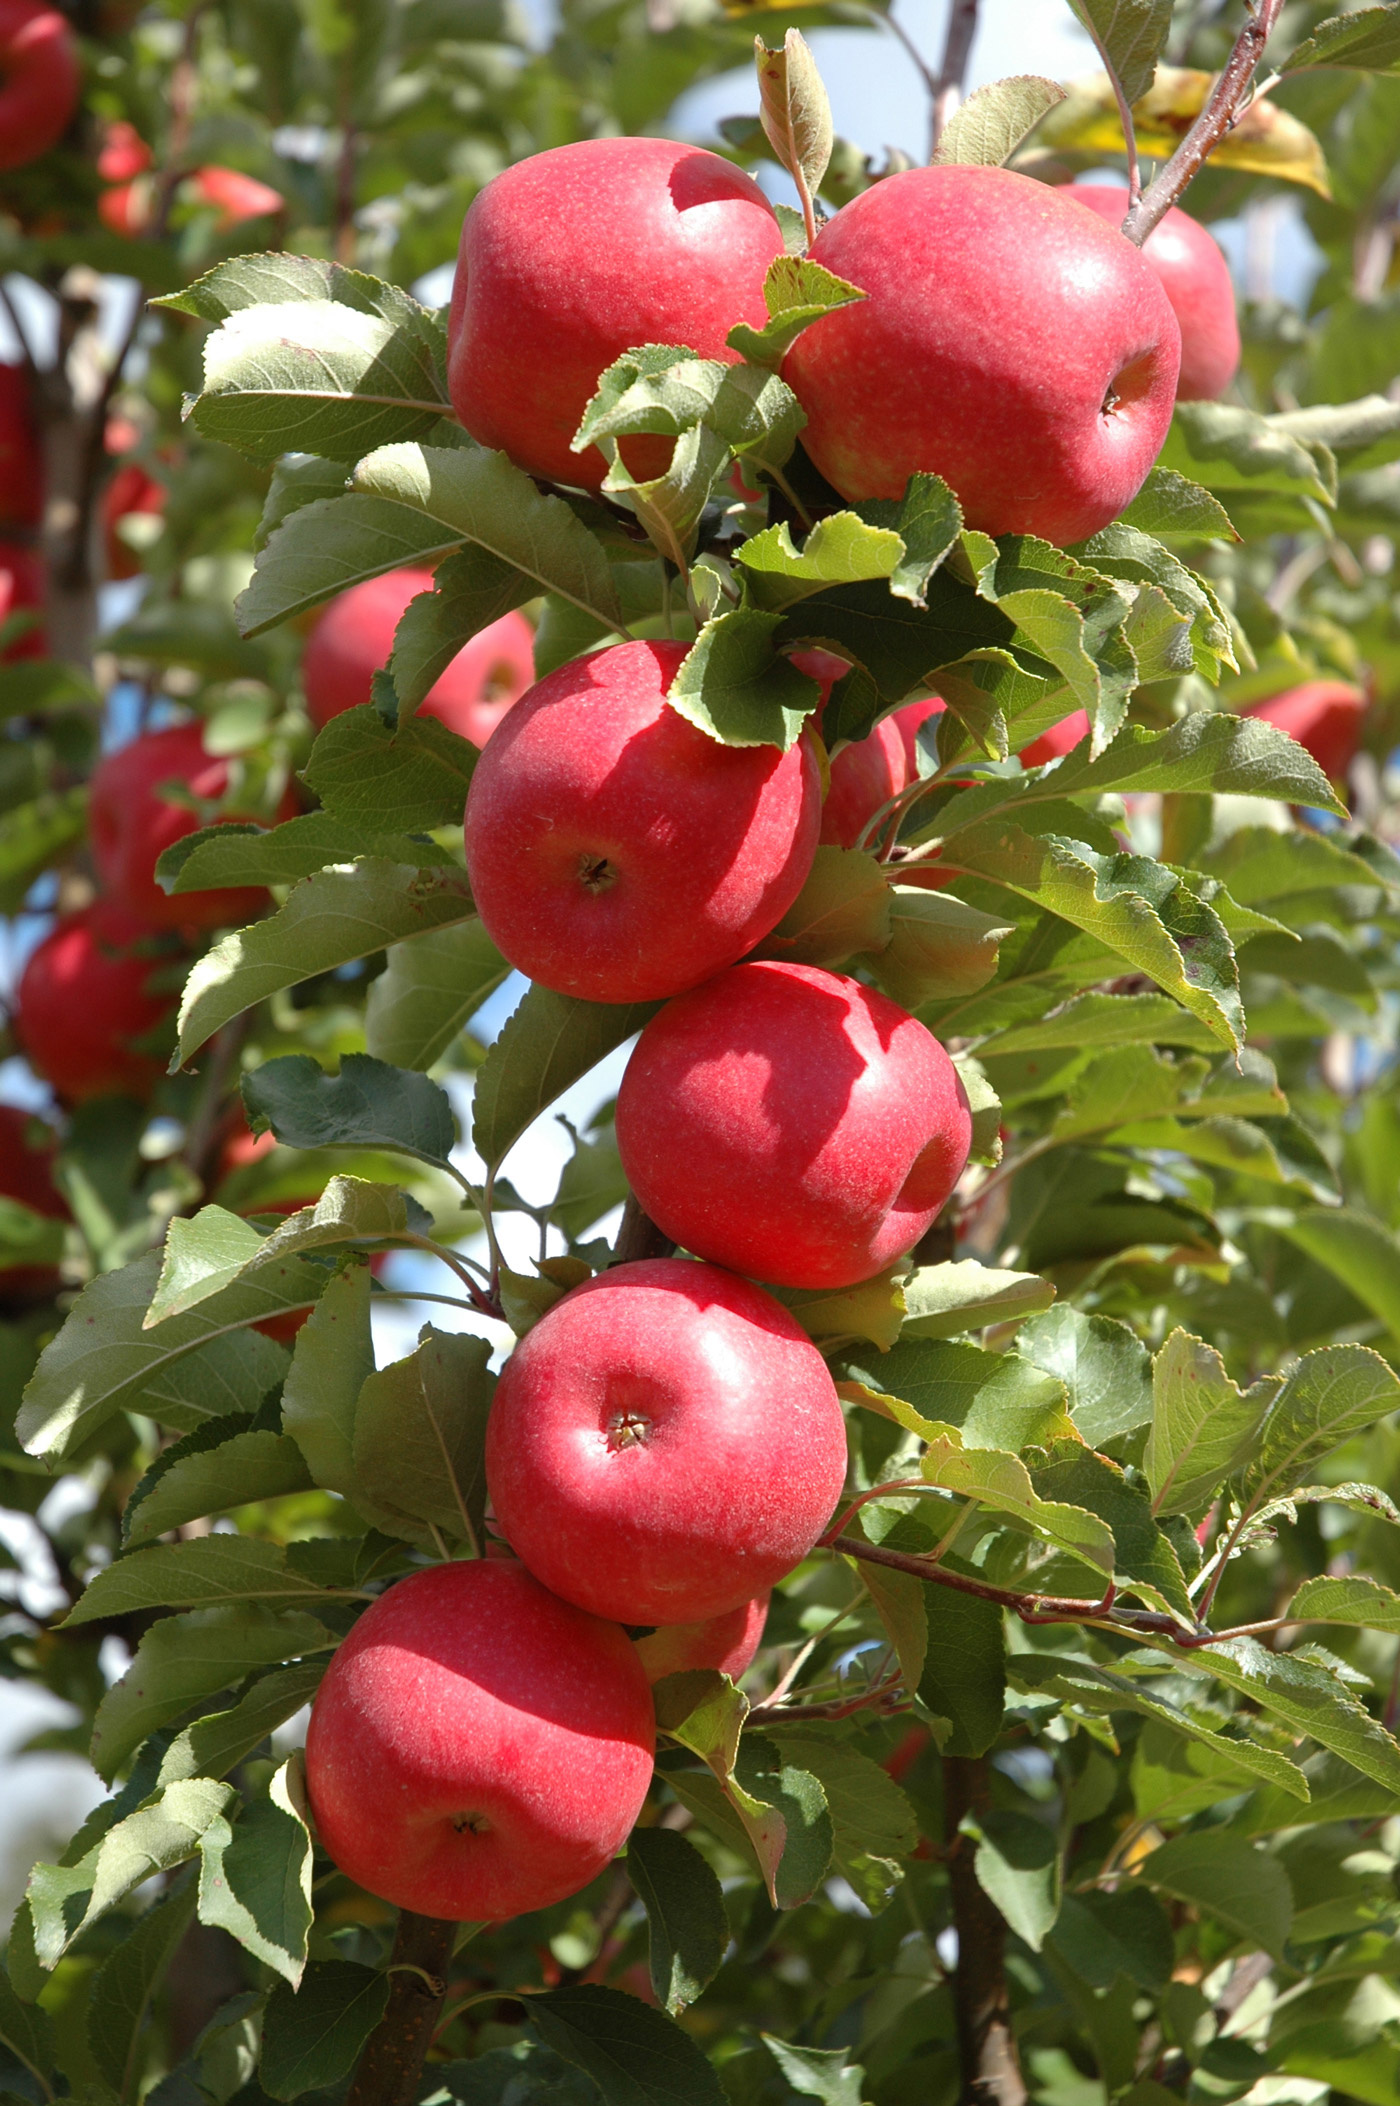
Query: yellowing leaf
pixel 1266 140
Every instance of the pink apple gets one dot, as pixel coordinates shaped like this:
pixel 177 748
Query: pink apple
pixel 21 452
pixel 124 153
pixel 726 1643
pixel 132 823
pixel 619 853
pixel 234 196
pixel 85 1000
pixel 866 775
pixel 1324 716
pixel 1195 278
pixel 664 1444
pixel 478 1748
pixel 27 1150
pixel 1060 739
pixel 578 254
pixel 354 636
pixel 1010 343
pixel 792 1124
pixel 40 80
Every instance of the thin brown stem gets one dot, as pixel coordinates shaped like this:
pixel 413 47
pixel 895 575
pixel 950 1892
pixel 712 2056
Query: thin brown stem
pixel 639 1237
pixel 957 51
pixel 991 2068
pixel 392 2062
pixel 1223 106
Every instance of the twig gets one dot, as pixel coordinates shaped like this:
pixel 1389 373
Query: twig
pixel 389 2070
pixel 1223 106
pixel 639 1237
pixel 957 50
pixel 1125 110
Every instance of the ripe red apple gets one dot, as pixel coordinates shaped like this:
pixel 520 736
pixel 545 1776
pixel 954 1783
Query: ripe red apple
pixel 131 490
pixel 128 208
pixel 132 823
pixel 1010 343
pixel 867 774
pixel 40 80
pixel 726 1643
pixel 22 590
pixel 124 153
pixel 27 1149
pixel 664 1444
pixel 478 1748
pixel 1325 716
pixel 619 853
pixel 576 255
pixel 354 635
pixel 235 196
pixel 21 454
pixel 792 1124
pixel 84 999
pixel 1195 278
pixel 1060 739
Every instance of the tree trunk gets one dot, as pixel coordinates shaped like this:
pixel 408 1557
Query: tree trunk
pixel 392 2063
pixel 991 2067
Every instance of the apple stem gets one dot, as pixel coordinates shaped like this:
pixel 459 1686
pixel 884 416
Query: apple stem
pixel 391 2065
pixel 639 1237
pixel 1222 107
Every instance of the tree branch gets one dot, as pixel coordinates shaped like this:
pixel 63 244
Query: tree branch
pixel 957 50
pixel 392 2062
pixel 639 1237
pixel 1223 106
pixel 991 2068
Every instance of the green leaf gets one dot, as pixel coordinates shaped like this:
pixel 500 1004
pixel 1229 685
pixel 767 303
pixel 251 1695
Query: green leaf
pixel 255 1879
pixel 734 686
pixel 843 908
pixel 201 1257
pixel 1233 449
pixel 328 920
pixel 195 1367
pixel 1002 1483
pixel 1368 39
pixel 796 1812
pixel 899 1601
pixel 1173 508
pixel 1308 1697
pixel 987 129
pixel 181 1659
pixel 26 2031
pixel 312 2036
pixel 323 548
pixel 1103 1936
pixel 796 292
pixel 315 376
pixel 1090 1020
pixel 255 281
pixel 1330 1395
pixel 213 1745
pixel 1104 1366
pixel 635 2056
pixel 1018 1865
pixel 872 1309
pixel 483 498
pixel 431 987
pixel 687 1926
pixel 297 479
pixel 549 1041
pixel 873 1824
pixel 331 1361
pixel 964 1677
pixel 1353 1599
pixel 420 1434
pixel 1230 1879
pixel 220 1466
pixel 396 782
pixel 252 855
pixel 818 2073
pixel 205 1573
pixel 669 391
pixel 794 112
pixel 367 1105
pixel 939 947
pixel 119 2001
pixel 1203 1425
pixel 1364 1255
pixel 1144 1562
pixel 162 1833
pixel 995 1400
pixel 1132 37
pixel 963 1295
pixel 838 549
pixel 471 590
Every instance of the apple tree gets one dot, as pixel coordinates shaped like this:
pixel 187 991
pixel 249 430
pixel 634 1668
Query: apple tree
pixel 883 1583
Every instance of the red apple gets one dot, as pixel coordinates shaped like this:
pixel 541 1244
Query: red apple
pixel 1010 343
pixel 619 853
pixel 578 254
pixel 1324 716
pixel 21 453
pixel 866 775
pixel 128 208
pixel 124 153
pixel 354 636
pixel 85 999
pixel 792 1124
pixel 40 80
pixel 235 196
pixel 1060 739
pixel 1195 278
pixel 478 1748
pixel 27 1149
pixel 727 1643
pixel 22 590
pixel 130 490
pixel 131 823
pixel 664 1444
